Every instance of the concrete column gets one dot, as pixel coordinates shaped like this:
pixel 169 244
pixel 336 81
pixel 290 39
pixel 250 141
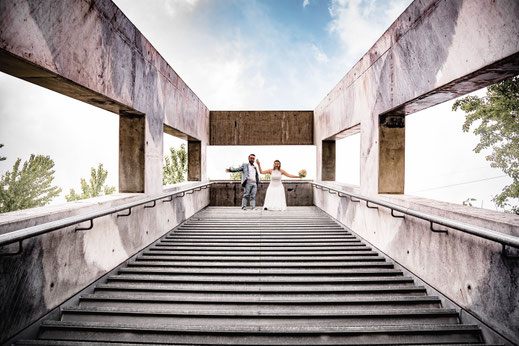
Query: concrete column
pixel 391 157
pixel 328 161
pixel 194 160
pixel 131 152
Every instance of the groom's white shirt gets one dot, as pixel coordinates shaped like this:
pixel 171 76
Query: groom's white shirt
pixel 252 172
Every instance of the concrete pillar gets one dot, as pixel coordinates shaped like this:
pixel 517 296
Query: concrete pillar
pixel 391 158
pixel 328 160
pixel 194 160
pixel 131 152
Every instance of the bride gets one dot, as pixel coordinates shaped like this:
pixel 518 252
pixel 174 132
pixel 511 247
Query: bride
pixel 275 197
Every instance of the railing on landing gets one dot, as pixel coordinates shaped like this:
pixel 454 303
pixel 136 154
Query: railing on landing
pixel 504 239
pixel 30 232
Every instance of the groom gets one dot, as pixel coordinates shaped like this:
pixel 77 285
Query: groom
pixel 249 181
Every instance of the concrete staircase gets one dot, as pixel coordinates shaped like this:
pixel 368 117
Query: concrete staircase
pixel 228 276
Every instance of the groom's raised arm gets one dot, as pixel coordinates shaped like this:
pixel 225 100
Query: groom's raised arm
pixel 239 169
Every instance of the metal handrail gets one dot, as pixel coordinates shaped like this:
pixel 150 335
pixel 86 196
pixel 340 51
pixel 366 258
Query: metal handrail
pixel 30 232
pixel 503 239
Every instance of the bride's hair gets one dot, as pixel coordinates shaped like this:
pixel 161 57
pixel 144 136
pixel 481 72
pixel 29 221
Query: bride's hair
pixel 275 164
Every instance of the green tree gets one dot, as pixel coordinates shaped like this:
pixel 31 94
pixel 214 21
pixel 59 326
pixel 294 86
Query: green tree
pixel 2 158
pixel 496 120
pixel 30 186
pixel 96 187
pixel 235 175
pixel 175 167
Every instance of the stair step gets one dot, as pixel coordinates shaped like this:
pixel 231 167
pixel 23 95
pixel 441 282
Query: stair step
pixel 54 342
pixel 213 237
pixel 254 335
pixel 276 243
pixel 262 304
pixel 227 265
pixel 261 248
pixel 309 260
pixel 302 280
pixel 262 272
pixel 245 318
pixel 263 289
pixel 361 251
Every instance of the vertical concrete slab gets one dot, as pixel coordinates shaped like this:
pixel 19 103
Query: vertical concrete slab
pixel 391 170
pixel 131 152
pixel 328 160
pixel 194 160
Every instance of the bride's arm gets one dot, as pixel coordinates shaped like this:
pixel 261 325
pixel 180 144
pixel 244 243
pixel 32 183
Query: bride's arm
pixel 289 175
pixel 268 171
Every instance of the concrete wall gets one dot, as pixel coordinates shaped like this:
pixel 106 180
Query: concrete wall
pixel 228 193
pixel 55 266
pixel 90 51
pixel 435 51
pixel 261 127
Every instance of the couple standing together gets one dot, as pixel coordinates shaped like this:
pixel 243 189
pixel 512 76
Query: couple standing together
pixel 275 197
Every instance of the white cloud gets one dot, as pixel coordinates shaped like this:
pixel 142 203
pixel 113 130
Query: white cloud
pixel 306 3
pixel 173 8
pixel 359 23
pixel 319 55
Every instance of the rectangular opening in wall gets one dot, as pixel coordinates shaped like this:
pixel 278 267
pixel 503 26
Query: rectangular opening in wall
pixel 46 136
pixel 466 156
pixel 174 157
pixel 348 159
pixel 294 158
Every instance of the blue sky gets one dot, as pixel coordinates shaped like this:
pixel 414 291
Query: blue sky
pixel 248 54
pixel 252 54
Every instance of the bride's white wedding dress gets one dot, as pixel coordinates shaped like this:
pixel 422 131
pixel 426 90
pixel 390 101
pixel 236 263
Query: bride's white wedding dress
pixel 275 197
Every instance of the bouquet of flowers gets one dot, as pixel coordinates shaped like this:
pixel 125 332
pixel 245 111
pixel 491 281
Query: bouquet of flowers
pixel 302 173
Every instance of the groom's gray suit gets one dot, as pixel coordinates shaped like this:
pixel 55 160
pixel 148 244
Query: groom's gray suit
pixel 249 187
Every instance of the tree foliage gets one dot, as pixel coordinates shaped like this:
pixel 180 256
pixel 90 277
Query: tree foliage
pixel 28 186
pixel 95 188
pixel 175 166
pixel 496 121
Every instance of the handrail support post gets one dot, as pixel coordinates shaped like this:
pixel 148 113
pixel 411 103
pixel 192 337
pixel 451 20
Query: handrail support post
pixel 86 228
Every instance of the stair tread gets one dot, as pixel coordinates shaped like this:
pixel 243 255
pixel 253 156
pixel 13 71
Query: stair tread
pixel 257 289
pixel 284 300
pixel 240 313
pixel 268 329
pixel 263 279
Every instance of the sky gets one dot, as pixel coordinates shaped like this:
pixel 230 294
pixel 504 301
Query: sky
pixel 252 55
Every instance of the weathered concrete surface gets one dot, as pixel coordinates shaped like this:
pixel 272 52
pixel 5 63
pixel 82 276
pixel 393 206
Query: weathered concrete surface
pixel 56 266
pixel 261 127
pixel 470 271
pixel 90 51
pixel 435 51
pixel 228 193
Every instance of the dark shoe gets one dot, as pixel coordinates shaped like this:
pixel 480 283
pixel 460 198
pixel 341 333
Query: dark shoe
pixel 243 208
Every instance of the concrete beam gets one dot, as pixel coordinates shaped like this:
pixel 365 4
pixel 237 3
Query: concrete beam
pixel 261 128
pixel 90 51
pixel 435 51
